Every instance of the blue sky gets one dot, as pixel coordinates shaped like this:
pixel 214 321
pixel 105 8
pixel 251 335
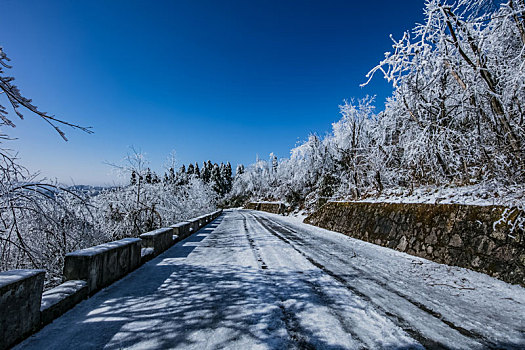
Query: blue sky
pixel 220 80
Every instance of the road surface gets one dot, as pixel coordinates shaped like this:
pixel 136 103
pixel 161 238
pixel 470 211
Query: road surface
pixel 253 280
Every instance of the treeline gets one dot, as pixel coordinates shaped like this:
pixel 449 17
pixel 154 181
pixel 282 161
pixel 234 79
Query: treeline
pixel 218 176
pixel 456 116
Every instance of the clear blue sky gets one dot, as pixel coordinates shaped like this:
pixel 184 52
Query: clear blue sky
pixel 220 80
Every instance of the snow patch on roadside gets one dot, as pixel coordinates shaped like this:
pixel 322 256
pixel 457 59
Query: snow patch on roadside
pixel 486 194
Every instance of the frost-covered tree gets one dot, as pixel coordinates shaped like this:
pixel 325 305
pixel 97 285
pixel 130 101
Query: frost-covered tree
pixel 226 177
pixel 459 86
pixel 191 170
pixel 171 175
pixel 275 163
pixel 456 115
pixel 239 170
pixel 131 210
pixel 37 219
pixel 197 170
pixel 18 102
pixel 215 179
pixel 206 171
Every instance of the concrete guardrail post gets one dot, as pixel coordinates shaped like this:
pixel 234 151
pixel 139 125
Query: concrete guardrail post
pixel 102 265
pixel 20 298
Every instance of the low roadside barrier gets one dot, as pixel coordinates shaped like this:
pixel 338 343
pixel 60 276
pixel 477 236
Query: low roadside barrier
pixel 24 309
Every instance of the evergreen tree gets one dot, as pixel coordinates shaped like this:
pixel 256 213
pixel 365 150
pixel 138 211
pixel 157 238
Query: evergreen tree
pixel 222 184
pixel 215 178
pixel 197 170
pixel 239 170
pixel 155 178
pixel 191 170
pixel 171 176
pixel 226 177
pixel 181 176
pixel 206 171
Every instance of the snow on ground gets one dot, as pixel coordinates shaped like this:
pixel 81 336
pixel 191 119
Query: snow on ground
pixel 480 194
pixel 470 300
pixel 253 280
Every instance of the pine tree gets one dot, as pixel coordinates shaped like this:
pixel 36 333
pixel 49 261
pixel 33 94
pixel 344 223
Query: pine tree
pixel 206 171
pixel 222 183
pixel 197 170
pixel 215 179
pixel 181 177
pixel 226 177
pixel 239 170
pixel 171 176
pixel 191 170
pixel 155 178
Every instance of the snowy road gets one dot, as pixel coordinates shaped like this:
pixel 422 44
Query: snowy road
pixel 253 280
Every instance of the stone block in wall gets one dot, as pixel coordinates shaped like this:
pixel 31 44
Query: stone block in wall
pixel 102 265
pixel 270 207
pixel 181 229
pixel 146 254
pixel 186 228
pixel 203 220
pixel 20 298
pixel 216 214
pixel 194 225
pixel 251 206
pixel 159 240
pixel 56 301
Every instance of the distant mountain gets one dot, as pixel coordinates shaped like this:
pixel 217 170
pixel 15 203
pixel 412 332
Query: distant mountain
pixel 88 190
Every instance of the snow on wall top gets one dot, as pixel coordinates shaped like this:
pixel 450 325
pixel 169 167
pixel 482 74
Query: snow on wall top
pixel 57 294
pixel 509 196
pixel 180 224
pixel 104 247
pixel 13 276
pixel 157 232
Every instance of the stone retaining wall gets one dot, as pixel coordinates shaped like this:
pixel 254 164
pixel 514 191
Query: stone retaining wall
pixel 270 207
pixel 481 238
pixel 24 308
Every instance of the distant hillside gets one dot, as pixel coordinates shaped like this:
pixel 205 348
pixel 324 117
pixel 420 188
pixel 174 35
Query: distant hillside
pixel 89 190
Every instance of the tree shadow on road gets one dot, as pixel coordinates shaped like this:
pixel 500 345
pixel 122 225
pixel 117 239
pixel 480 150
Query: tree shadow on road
pixel 172 302
pixel 169 303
